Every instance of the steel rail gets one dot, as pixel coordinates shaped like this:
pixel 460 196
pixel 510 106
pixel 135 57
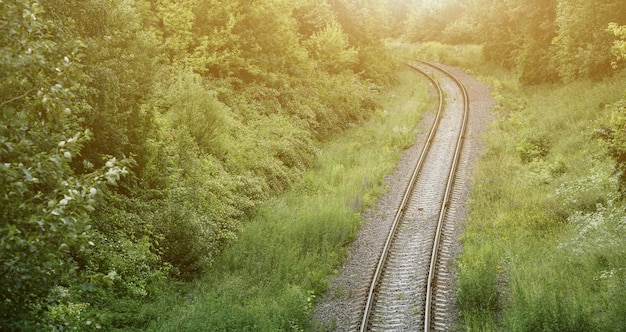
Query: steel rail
pixel 446 199
pixel 444 205
pixel 402 207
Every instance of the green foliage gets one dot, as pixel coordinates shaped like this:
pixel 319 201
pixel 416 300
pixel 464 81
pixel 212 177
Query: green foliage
pixel 330 48
pixel 619 46
pixel 342 104
pixel 274 151
pixel 211 103
pixel 270 42
pixel 543 248
pixel 66 317
pixel 532 147
pixel 120 57
pixel 480 277
pixel 468 57
pixel 590 265
pixel 177 19
pixel 544 41
pixel 189 104
pixel 216 45
pixel 268 278
pixel 367 24
pixel 313 16
pixel 549 312
pixel 613 134
pixel 583 46
pixel 523 39
pixel 45 206
pixel 534 56
pixel 189 219
pixel 435 22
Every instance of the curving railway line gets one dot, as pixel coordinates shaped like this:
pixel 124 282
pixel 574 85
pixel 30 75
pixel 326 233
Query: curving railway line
pixel 408 288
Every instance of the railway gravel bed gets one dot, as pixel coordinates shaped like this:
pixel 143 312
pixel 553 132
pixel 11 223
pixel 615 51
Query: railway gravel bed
pixel 340 309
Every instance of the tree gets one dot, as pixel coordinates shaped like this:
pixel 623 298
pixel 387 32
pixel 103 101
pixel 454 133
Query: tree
pixel 190 105
pixel 218 50
pixel 366 23
pixel 330 48
pixel 312 16
pixel 534 56
pixel 445 22
pixel 619 45
pixel 270 42
pixel 583 46
pixel 44 206
pixel 177 20
pixel 120 57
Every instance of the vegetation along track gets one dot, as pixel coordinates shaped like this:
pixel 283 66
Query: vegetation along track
pixel 410 282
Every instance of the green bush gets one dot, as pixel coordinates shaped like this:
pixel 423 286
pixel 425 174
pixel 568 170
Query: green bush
pixel 331 50
pixel 45 206
pixel 191 105
pixel 613 134
pixel 532 147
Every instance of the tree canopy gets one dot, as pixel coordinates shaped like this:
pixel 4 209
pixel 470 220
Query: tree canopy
pixel 544 40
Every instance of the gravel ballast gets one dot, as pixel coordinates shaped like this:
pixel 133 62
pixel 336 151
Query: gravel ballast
pixel 341 307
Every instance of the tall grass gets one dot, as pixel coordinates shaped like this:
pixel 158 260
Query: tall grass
pixel 269 277
pixel 543 248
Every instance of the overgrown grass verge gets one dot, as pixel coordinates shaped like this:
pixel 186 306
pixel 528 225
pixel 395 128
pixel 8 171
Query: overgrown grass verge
pixel 544 248
pixel 268 278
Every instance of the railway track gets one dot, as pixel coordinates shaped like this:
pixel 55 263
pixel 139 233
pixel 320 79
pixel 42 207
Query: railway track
pixel 409 289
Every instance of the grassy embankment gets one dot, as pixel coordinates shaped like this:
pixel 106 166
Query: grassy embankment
pixel 269 277
pixel 544 247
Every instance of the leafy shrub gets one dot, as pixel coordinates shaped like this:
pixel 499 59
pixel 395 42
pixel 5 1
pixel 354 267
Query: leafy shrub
pixel 223 142
pixel 191 105
pixel 619 45
pixel 66 316
pixel 44 206
pixel 192 215
pixel 587 192
pixel 190 234
pixel 584 52
pixel 597 233
pixel 532 147
pixel 613 134
pixel 330 48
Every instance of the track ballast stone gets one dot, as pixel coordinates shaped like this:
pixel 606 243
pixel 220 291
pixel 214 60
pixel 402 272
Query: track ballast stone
pixel 341 307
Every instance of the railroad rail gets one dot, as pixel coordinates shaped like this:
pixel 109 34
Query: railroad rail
pixel 401 293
